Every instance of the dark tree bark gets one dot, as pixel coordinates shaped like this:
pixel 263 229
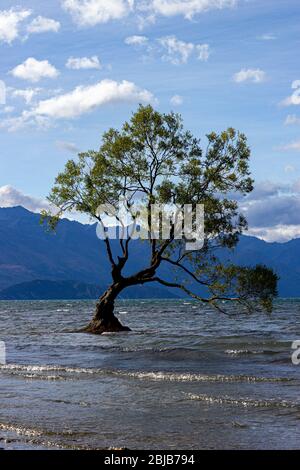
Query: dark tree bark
pixel 104 320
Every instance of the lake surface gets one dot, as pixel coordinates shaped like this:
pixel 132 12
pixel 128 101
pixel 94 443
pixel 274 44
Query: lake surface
pixel 187 377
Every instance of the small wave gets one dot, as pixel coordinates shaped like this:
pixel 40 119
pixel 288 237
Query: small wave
pixel 35 432
pixel 46 368
pixel 46 438
pixel 43 377
pixel 244 402
pixel 175 377
pixel 20 430
pixel 34 371
pixel 241 352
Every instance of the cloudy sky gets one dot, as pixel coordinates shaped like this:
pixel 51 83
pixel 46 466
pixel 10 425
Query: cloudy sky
pixel 73 68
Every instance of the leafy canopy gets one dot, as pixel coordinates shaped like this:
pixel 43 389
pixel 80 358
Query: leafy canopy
pixel 155 159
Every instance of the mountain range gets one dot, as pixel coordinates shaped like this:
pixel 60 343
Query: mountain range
pixel 72 262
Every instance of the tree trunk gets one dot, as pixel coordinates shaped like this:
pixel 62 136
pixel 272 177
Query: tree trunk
pixel 104 320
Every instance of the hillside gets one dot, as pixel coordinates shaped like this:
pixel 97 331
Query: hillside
pixel 30 253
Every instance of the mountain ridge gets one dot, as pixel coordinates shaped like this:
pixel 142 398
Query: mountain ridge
pixel 29 253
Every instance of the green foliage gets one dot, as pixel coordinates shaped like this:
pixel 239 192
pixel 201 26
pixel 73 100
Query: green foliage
pixel 260 283
pixel 155 158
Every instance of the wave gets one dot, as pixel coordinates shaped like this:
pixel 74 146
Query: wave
pixel 43 377
pixel 38 371
pixel 21 430
pixel 241 352
pixel 43 368
pixel 244 402
pixel 177 377
pixel 41 438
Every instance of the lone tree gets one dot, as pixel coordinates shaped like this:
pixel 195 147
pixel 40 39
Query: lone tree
pixel 153 158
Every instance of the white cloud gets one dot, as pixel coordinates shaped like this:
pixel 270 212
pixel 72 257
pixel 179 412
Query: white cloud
pixel 292 146
pixel 93 12
pixel 81 100
pixel 250 75
pixel 28 94
pixel 173 50
pixel 77 63
pixel 10 21
pixel 294 99
pixel 203 51
pixel 179 52
pixel 267 37
pixel 26 119
pixel 84 99
pixel 176 100
pixel 292 119
pixel 7 110
pixel 43 25
pixel 11 197
pixel 273 210
pixel 69 146
pixel 34 70
pixel 187 8
pixel 279 233
pixel 136 40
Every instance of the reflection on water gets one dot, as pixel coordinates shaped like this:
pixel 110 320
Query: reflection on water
pixel 186 377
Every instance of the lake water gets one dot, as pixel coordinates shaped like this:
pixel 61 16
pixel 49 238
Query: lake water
pixel 186 377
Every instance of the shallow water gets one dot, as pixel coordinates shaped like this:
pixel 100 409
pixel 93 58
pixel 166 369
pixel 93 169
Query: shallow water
pixel 186 377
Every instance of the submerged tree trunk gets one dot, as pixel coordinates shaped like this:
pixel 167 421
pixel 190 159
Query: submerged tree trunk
pixel 104 320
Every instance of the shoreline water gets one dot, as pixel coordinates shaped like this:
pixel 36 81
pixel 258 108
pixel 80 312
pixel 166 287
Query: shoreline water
pixel 219 383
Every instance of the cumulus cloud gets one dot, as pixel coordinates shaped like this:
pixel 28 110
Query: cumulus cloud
pixel 7 110
pixel 176 100
pixel 26 119
pixel 136 40
pixel 284 210
pixel 250 75
pixel 27 94
pixel 273 210
pixel 77 63
pixel 203 51
pixel 294 99
pixel 40 24
pixel 267 189
pixel 11 197
pixel 10 21
pixel 178 52
pixel 86 98
pixel 93 12
pixel 187 8
pixel 278 233
pixel 82 100
pixel 34 70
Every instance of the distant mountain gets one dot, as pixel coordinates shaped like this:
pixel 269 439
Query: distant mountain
pixel 29 253
pixel 50 290
pixel 284 258
pixel 66 290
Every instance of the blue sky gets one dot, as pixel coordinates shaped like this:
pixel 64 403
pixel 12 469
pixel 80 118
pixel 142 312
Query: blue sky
pixel 219 63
